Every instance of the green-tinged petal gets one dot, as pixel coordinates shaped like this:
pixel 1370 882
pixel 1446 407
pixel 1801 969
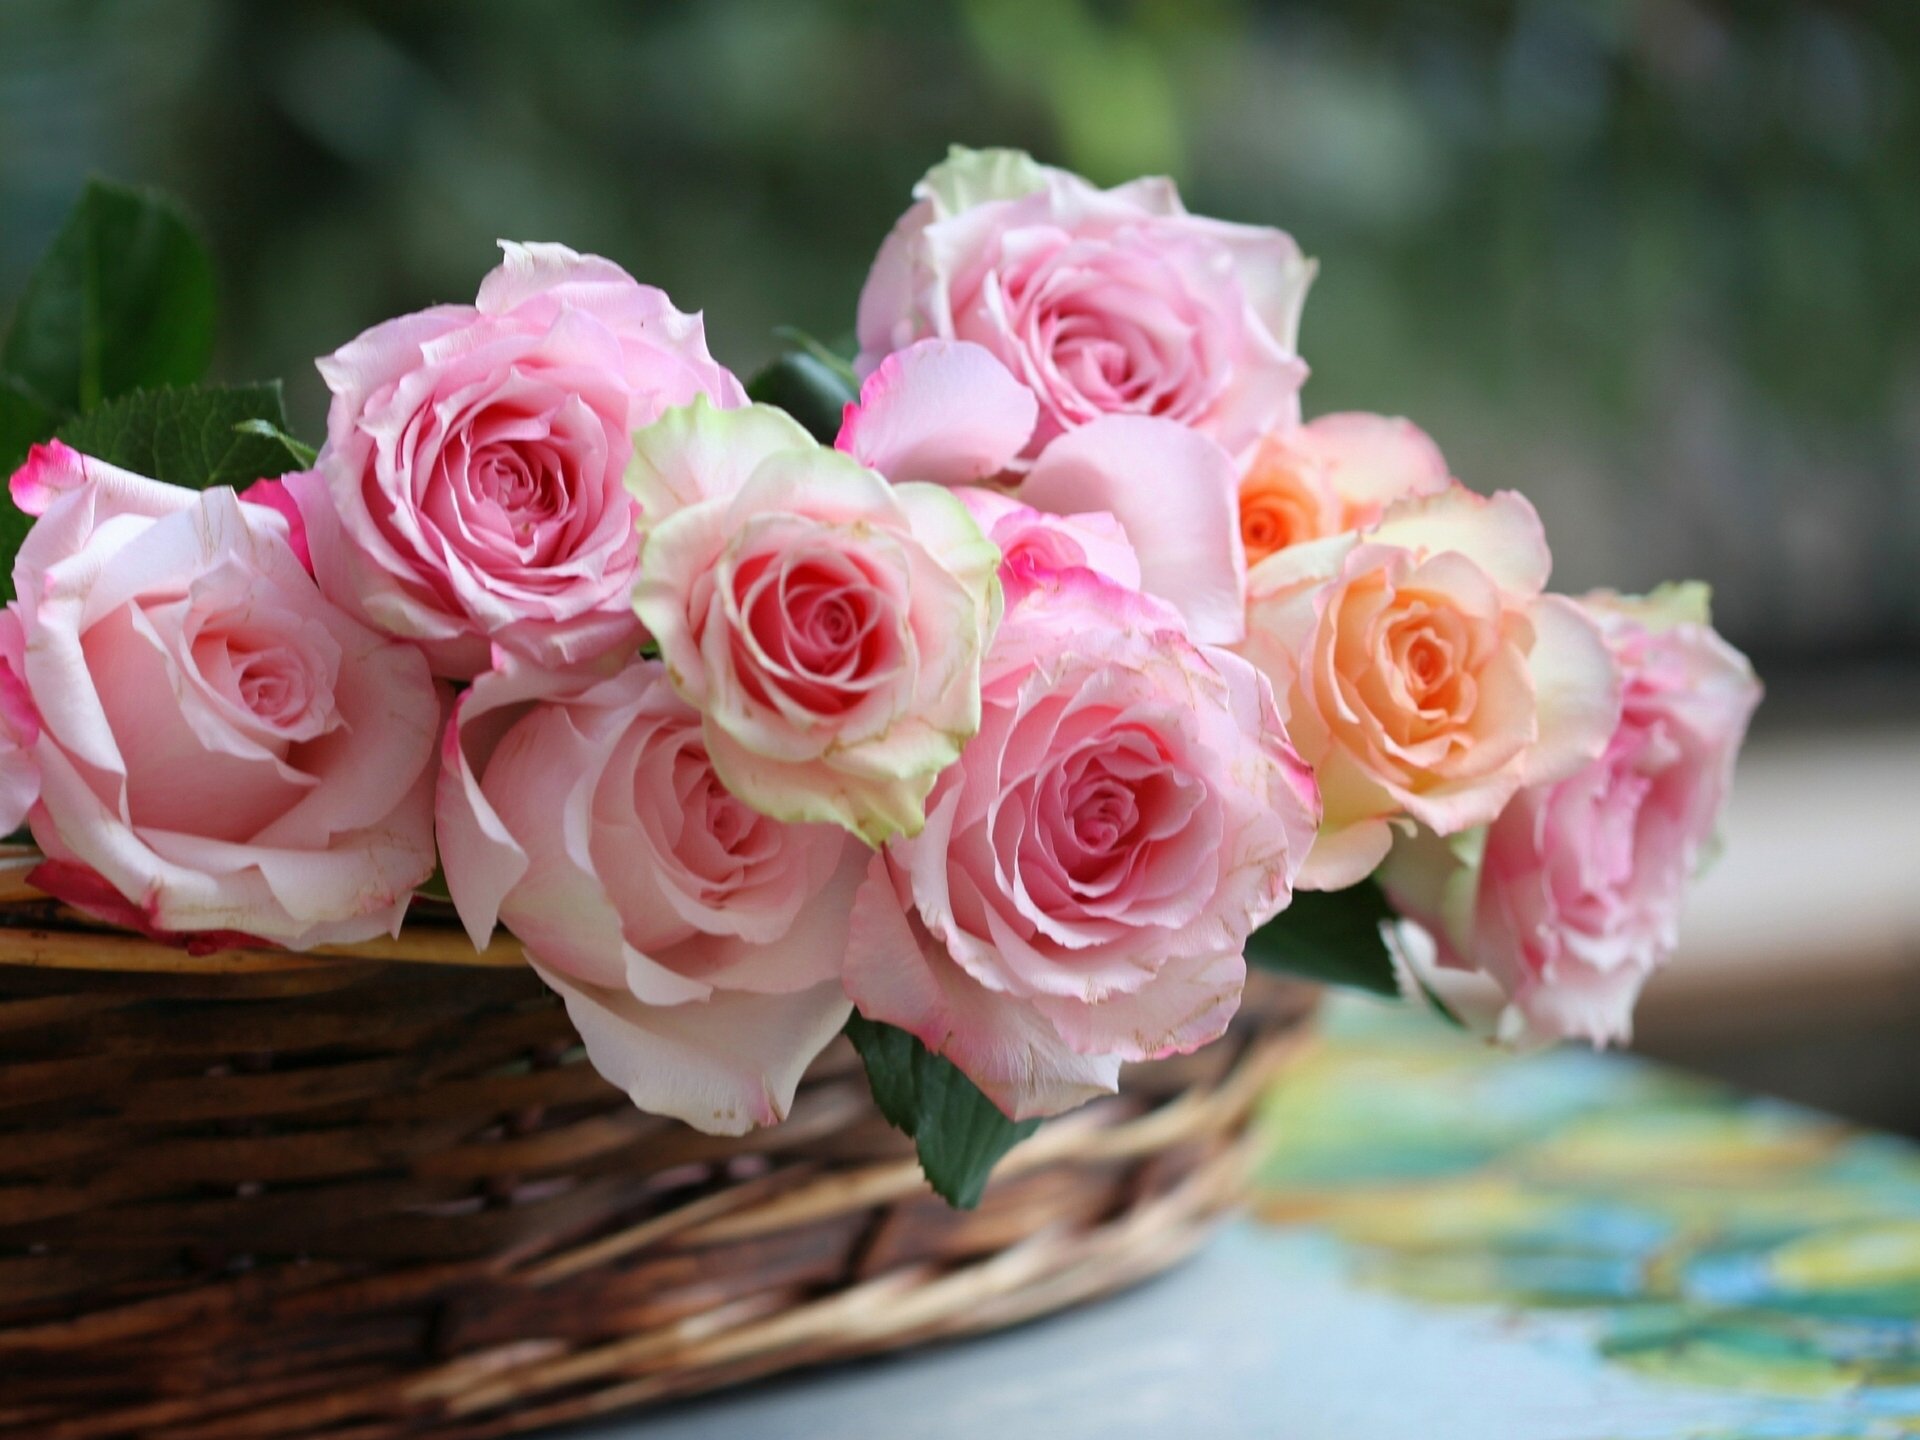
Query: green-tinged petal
pixel 945 526
pixel 967 178
pixel 700 452
pixel 814 792
pixel 684 546
pixel 1679 602
pixel 821 484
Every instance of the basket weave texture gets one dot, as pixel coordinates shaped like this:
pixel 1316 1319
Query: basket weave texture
pixel 379 1193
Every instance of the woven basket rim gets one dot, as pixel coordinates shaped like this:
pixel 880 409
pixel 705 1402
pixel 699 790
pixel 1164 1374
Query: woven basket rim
pixel 37 931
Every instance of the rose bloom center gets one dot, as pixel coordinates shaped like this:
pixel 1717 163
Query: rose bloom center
pixel 820 631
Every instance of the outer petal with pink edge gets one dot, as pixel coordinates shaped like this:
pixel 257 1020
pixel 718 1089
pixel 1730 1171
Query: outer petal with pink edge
pixel 899 975
pixel 1188 1005
pixel 1175 493
pixel 943 411
pixel 54 468
pixel 722 1065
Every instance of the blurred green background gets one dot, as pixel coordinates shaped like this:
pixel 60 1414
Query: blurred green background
pixel 1655 263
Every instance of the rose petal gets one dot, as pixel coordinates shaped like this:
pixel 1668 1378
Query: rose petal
pixel 722 1065
pixel 1501 533
pixel 898 975
pixel 940 411
pixel 1576 690
pixel 1373 460
pixel 1175 494
pixel 698 452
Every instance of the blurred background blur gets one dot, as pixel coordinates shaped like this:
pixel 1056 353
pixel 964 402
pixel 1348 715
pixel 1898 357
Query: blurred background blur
pixel 1654 262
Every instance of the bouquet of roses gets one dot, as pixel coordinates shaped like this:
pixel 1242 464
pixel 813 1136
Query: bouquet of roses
pixel 993 696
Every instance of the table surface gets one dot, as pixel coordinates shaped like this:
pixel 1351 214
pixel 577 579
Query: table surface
pixel 1449 1244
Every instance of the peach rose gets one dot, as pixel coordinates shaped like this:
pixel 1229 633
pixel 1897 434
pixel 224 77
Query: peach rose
pixel 470 487
pixel 1101 302
pixel 828 626
pixel 1423 673
pixel 1091 869
pixel 1335 473
pixel 220 747
pixel 1572 897
pixel 695 942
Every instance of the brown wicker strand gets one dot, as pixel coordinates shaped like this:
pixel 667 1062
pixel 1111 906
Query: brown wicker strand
pixel 250 1195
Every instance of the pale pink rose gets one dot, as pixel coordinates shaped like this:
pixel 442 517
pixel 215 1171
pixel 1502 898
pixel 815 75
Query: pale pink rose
pixel 695 941
pixel 19 727
pixel 1335 473
pixel 1101 302
pixel 470 487
pixel 1573 897
pixel 221 748
pixel 949 412
pixel 1090 871
pixel 828 626
pixel 1424 674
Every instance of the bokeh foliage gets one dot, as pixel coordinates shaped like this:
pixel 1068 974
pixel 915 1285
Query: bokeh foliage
pixel 1657 262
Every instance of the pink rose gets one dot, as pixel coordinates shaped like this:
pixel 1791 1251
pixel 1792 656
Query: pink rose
pixel 470 487
pixel 695 942
pixel 220 746
pixel 827 626
pixel 1573 899
pixel 1090 871
pixel 273 494
pixel 1423 673
pixel 1335 473
pixel 1035 548
pixel 1101 302
pixel 19 727
pixel 948 412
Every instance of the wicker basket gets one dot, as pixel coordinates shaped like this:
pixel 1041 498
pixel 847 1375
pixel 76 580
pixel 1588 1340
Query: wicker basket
pixel 378 1193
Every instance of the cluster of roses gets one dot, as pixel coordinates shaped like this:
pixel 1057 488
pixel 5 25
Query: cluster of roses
pixel 1006 718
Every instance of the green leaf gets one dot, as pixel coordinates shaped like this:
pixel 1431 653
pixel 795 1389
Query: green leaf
pixel 24 422
pixel 1332 937
pixel 807 388
pixel 959 1133
pixel 14 525
pixel 122 299
pixel 303 454
pixel 826 354
pixel 434 887
pixel 197 437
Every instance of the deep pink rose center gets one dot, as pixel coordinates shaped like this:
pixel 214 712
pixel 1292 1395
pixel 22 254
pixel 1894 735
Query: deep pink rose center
pixel 821 629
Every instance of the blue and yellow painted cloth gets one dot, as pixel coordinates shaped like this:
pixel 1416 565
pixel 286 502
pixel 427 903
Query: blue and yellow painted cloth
pixel 1629 1253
